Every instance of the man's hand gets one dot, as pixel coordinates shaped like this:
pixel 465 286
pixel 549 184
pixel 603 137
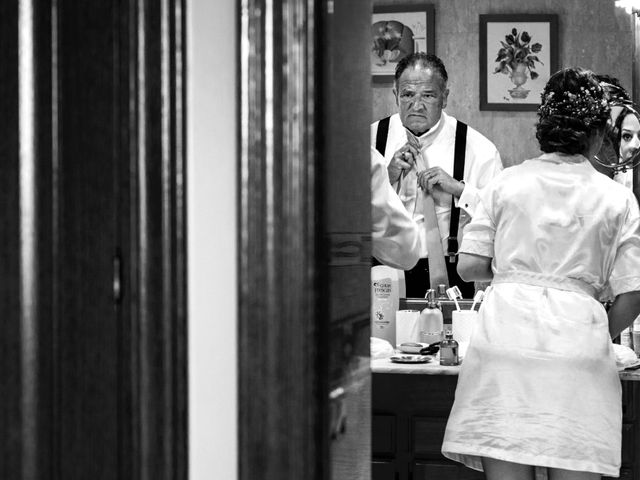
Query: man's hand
pixel 436 178
pixel 403 159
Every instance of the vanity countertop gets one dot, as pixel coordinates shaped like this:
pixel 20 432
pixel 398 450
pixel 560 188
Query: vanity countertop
pixel 384 365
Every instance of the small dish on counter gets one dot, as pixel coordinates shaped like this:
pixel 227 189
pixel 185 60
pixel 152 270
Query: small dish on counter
pixel 412 347
pixel 411 358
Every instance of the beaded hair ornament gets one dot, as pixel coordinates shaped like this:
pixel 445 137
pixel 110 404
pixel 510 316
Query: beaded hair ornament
pixel 589 104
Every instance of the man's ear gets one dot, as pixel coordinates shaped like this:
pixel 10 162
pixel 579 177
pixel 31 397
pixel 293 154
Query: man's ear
pixel 395 94
pixel 445 96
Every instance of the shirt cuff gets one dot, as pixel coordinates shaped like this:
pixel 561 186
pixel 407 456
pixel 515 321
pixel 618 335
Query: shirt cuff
pixel 477 247
pixel 467 200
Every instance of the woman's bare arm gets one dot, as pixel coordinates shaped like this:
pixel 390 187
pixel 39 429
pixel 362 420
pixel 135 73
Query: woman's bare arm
pixel 474 268
pixel 623 312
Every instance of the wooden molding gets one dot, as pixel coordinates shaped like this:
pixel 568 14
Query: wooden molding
pixel 279 318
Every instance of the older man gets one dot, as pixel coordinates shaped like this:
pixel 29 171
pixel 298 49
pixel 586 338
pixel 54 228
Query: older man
pixel 430 153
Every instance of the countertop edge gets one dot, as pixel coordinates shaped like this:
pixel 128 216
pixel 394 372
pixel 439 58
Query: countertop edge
pixel 384 365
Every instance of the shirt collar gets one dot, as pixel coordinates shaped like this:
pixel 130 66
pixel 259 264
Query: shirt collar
pixel 560 157
pixel 429 136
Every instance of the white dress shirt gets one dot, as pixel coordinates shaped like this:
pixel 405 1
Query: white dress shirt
pixel 395 235
pixel 482 163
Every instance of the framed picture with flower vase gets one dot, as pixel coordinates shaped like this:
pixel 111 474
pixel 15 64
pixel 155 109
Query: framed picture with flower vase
pixel 518 54
pixel 397 31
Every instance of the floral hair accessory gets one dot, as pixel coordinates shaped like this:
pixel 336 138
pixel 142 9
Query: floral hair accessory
pixel 589 105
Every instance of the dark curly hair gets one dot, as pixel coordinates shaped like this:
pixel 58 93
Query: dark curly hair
pixel 424 60
pixel 616 131
pixel 613 88
pixel 574 105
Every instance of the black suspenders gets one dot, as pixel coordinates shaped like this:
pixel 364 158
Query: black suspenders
pixel 458 174
pixel 381 135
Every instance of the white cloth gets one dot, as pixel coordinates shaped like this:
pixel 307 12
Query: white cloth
pixel 395 236
pixel 482 163
pixel 539 384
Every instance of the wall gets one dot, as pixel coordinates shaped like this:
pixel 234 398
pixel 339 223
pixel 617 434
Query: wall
pixel 591 33
pixel 211 183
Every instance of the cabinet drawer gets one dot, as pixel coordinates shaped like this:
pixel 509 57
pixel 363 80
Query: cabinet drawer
pixel 625 474
pixel 629 391
pixel 427 434
pixel 628 444
pixel 434 471
pixel 444 471
pixel 383 470
pixel 383 434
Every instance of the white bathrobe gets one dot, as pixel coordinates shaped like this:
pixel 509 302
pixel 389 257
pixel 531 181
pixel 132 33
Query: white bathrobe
pixel 539 383
pixel 394 234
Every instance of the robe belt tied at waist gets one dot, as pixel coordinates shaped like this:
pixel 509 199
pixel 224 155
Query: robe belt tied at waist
pixel 545 280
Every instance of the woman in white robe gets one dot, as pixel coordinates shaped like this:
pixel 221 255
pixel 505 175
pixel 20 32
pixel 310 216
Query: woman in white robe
pixel 538 386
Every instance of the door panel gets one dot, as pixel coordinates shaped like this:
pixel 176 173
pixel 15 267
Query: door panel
pixel 304 256
pixel 87 376
pixel 93 386
pixel 346 200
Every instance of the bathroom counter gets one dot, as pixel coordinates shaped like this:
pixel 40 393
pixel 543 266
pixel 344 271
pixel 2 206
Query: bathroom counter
pixel 410 411
pixel 384 365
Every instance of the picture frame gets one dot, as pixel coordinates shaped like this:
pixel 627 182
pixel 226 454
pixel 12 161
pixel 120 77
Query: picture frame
pixel 398 31
pixel 518 54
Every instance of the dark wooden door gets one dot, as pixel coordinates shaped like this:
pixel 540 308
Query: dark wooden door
pixel 95 363
pixel 304 386
pixel 91 363
pixel 346 224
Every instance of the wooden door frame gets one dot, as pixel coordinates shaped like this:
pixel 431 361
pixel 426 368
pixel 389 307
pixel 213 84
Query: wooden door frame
pixel 157 274
pixel 304 242
pixel 282 385
pixel 154 409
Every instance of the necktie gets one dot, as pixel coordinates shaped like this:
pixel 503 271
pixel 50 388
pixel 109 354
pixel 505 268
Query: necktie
pixel 437 266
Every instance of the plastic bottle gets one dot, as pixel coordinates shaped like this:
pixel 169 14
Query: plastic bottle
pixel 626 339
pixel 635 335
pixel 449 350
pixel 385 301
pixel 430 323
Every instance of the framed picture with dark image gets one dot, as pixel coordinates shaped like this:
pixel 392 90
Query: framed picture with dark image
pixel 518 54
pixel 398 31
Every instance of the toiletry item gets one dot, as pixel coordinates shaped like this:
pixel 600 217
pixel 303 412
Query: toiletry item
pixel 412 347
pixel 477 298
pixel 635 335
pixel 626 338
pixel 406 326
pixel 462 324
pixel 449 350
pixel 430 322
pixel 454 294
pixel 442 292
pixel 385 302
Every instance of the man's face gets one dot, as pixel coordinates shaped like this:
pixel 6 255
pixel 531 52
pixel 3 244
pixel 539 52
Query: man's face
pixel 421 95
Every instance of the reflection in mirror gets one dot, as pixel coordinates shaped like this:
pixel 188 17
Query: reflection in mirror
pixel 414 409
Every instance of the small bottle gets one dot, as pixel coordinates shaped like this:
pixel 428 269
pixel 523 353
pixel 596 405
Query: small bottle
pixel 430 323
pixel 449 350
pixel 626 338
pixel 635 335
pixel 442 292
